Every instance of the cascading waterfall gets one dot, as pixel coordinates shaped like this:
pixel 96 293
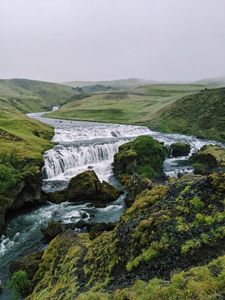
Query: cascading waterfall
pixel 99 131
pixel 65 161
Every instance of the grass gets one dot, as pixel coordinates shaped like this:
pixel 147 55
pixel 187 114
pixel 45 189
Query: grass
pixel 137 106
pixel 22 143
pixel 202 114
pixel 22 136
pixel 31 96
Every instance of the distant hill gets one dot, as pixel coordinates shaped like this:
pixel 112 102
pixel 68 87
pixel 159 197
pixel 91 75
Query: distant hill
pixel 201 114
pixel 213 82
pixel 134 106
pixel 119 83
pixel 31 95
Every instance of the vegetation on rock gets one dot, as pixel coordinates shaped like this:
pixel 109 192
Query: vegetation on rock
pixel 22 143
pixel 144 156
pixel 180 149
pixel 209 159
pixel 20 284
pixel 87 187
pixel 166 229
pixel 28 263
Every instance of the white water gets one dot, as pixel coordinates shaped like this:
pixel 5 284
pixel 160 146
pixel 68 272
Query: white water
pixel 89 145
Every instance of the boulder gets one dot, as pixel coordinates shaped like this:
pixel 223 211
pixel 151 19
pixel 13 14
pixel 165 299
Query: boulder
pixel 180 149
pixel 52 230
pixel 56 197
pixel 87 187
pixel 29 264
pixel 208 159
pixel 143 156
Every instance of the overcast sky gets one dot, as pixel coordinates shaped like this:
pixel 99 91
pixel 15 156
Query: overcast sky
pixel 62 40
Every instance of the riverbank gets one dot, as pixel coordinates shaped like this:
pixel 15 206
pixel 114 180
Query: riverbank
pixel 22 144
pixel 80 146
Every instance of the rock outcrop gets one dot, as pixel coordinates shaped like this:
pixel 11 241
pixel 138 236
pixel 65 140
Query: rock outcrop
pixel 180 149
pixel 143 156
pixel 52 230
pixel 167 228
pixel 25 193
pixel 209 159
pixel 29 264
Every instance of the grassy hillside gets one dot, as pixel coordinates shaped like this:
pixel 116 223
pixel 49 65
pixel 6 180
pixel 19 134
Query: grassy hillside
pixel 202 114
pixel 22 143
pixel 139 105
pixel 30 95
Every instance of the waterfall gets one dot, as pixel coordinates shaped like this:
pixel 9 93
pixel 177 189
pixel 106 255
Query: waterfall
pixel 63 162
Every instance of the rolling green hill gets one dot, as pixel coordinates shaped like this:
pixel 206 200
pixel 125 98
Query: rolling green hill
pixel 31 95
pixel 136 106
pixel 201 114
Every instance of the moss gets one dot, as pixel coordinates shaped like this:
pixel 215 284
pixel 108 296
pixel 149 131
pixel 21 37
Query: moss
pixel 144 156
pixel 200 283
pixel 209 159
pixel 57 276
pixel 180 149
pixel 167 228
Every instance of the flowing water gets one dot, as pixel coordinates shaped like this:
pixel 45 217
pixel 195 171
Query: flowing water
pixel 79 146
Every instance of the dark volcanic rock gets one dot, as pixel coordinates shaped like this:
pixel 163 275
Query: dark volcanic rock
pixel 26 193
pixel 180 149
pixel 87 187
pixel 208 159
pixel 56 197
pixel 135 186
pixel 28 263
pixel 52 230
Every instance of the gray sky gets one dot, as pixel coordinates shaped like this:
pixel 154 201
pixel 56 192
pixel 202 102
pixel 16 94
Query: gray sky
pixel 62 40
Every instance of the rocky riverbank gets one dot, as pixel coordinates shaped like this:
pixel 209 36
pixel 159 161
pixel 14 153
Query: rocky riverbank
pixel 169 227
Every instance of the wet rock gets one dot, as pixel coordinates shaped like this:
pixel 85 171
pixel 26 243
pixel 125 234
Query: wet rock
pixel 28 263
pixel 87 187
pixel 52 230
pixel 180 149
pixel 1 287
pixel 56 197
pixel 208 159
pixel 26 193
pixel 84 186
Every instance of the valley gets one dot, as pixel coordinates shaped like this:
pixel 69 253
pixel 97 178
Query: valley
pixel 41 152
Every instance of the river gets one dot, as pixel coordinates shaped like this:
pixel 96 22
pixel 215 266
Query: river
pixel 79 146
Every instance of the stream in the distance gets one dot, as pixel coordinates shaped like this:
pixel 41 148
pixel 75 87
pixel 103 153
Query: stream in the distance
pixel 79 146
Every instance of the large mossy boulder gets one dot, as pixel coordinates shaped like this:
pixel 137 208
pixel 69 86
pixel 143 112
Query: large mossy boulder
pixel 143 156
pixel 180 149
pixel 87 187
pixel 208 160
pixel 28 263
